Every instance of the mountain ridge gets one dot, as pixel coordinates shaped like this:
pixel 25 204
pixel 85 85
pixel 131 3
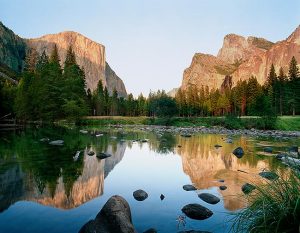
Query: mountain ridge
pixel 241 57
pixel 90 55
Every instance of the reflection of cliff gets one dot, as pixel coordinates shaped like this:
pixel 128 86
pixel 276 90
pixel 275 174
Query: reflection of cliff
pixel 205 165
pixel 16 185
pixel 11 186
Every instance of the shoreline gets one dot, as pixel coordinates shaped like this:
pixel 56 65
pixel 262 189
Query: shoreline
pixel 280 134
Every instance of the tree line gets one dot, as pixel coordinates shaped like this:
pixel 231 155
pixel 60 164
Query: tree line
pixel 47 91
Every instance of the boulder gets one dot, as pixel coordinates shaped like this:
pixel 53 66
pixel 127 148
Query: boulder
pixel 247 188
pixel 57 143
pixel 196 211
pixel 189 187
pixel 140 195
pixel 238 152
pixel 115 216
pixel 269 175
pixel 162 196
pixel 102 155
pixel 209 198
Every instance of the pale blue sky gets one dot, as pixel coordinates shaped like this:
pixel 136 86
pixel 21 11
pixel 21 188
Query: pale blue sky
pixel 149 43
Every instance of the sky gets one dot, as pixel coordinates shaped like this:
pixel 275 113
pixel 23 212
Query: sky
pixel 149 43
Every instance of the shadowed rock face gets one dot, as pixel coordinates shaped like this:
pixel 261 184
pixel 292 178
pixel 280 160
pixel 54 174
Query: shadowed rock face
pixel 89 55
pixel 115 216
pixel 241 58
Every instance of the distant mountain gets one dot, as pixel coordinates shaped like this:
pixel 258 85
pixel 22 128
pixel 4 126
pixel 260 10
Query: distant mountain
pixel 240 58
pixel 89 55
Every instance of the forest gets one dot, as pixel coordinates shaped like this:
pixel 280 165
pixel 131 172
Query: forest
pixel 46 91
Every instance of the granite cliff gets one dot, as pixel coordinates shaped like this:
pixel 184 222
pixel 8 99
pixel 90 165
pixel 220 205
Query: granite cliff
pixel 241 57
pixel 89 55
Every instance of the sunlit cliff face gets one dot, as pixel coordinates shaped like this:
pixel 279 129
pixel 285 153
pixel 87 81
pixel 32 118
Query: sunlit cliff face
pixel 205 165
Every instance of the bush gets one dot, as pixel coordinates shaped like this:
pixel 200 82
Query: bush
pixel 273 207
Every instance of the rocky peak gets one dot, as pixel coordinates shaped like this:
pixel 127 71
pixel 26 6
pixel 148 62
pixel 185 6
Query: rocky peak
pixel 237 49
pixel 295 36
pixel 90 55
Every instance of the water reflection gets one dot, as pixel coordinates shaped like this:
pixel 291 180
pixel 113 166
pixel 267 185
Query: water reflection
pixel 206 165
pixel 36 171
pixel 32 170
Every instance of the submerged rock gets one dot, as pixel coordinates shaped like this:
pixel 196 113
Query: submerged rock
pixel 193 231
pixel 115 216
pixel 186 135
pixel 83 131
pixel 223 187
pixel 57 143
pixel 91 153
pixel 189 187
pixel 238 152
pixel 140 195
pixel 151 230
pixel 247 188
pixel 196 211
pixel 268 149
pixel 221 180
pixel 102 155
pixel 217 146
pixel 209 198
pixel 269 175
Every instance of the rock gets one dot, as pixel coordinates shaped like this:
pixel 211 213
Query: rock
pixel 99 135
pixel 186 135
pixel 140 195
pixel 223 187
pixel 193 231
pixel 57 143
pixel 144 140
pixel 217 146
pixel 91 153
pixel 228 140
pixel 268 149
pixel 238 152
pixel 293 149
pixel 189 187
pixel 102 155
pixel 76 156
pixel 179 146
pixel 280 156
pixel 113 137
pixel 269 175
pixel 196 211
pixel 222 181
pixel 115 216
pixel 162 196
pixel 247 188
pixel 83 131
pixel 209 198
pixel 291 161
pixel 44 140
pixel 151 230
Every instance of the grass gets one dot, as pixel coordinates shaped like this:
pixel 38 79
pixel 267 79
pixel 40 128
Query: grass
pixel 288 123
pixel 272 207
pixel 280 123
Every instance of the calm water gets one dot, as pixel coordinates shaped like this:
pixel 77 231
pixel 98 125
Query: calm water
pixel 44 189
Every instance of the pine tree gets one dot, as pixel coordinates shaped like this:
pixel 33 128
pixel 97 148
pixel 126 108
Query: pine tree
pixel 70 58
pixel 31 60
pixel 294 86
pixel 42 62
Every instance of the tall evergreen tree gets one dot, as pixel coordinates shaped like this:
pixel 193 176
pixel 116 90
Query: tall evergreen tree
pixel 294 86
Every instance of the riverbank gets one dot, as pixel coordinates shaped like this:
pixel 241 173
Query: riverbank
pixel 285 123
